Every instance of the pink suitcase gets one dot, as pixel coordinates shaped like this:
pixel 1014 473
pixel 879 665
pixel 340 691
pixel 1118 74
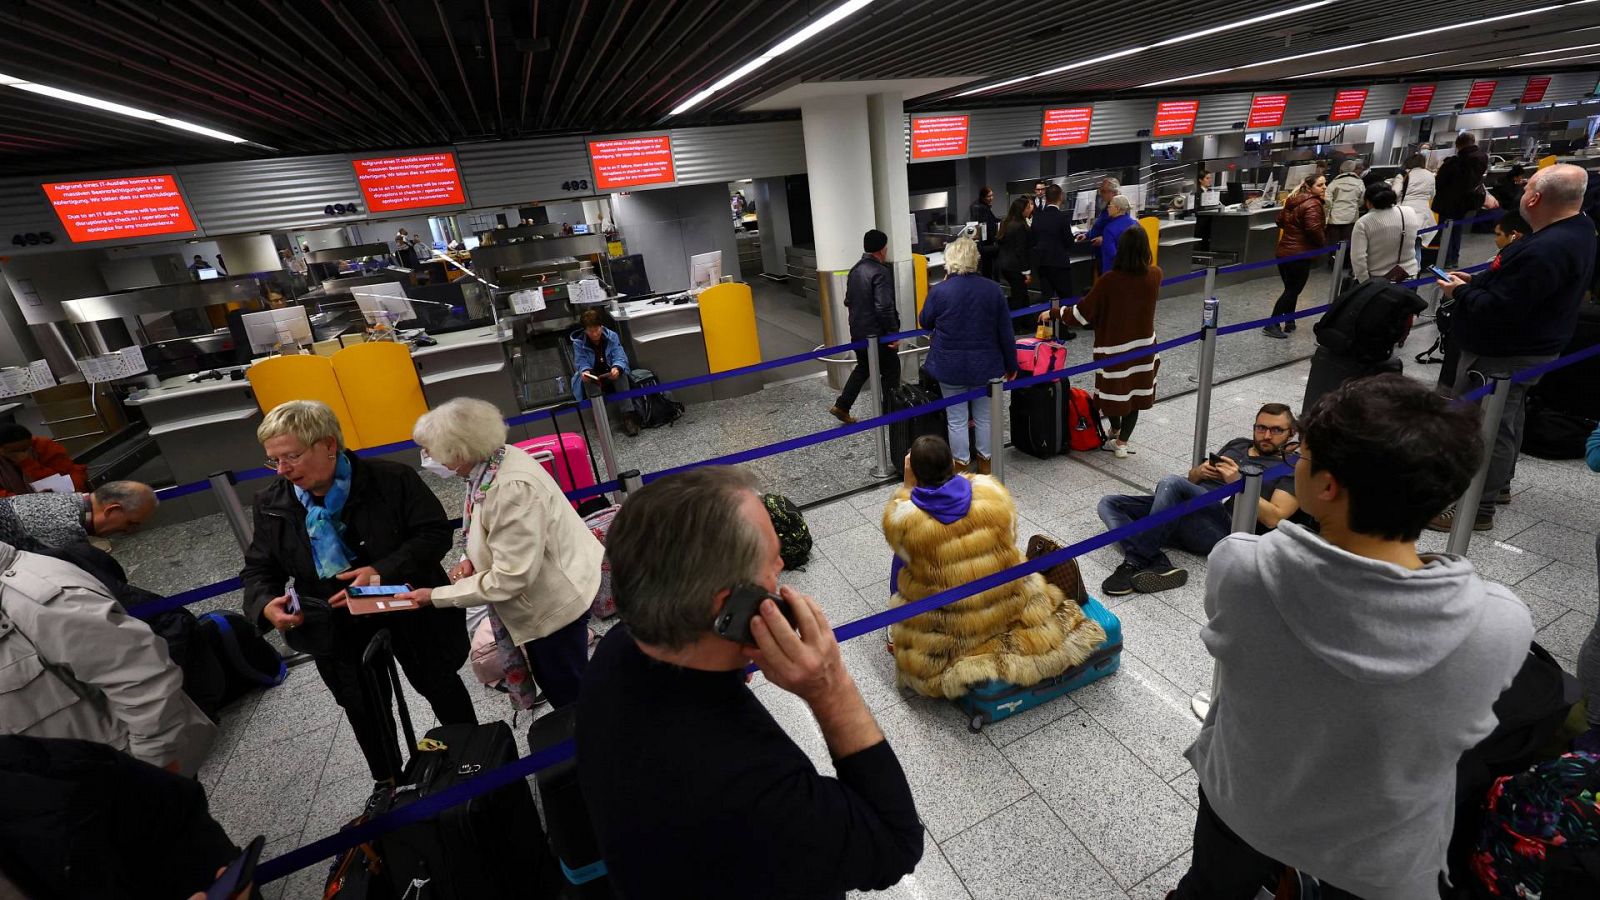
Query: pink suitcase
pixel 1036 357
pixel 565 457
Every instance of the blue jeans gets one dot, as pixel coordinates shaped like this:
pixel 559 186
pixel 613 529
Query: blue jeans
pixel 1196 532
pixel 955 422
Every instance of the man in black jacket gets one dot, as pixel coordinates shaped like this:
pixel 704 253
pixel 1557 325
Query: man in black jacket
pixel 869 295
pixel 1459 192
pixel 693 788
pixel 1521 312
pixel 1052 260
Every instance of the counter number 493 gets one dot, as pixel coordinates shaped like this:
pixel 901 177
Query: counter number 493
pixel 577 185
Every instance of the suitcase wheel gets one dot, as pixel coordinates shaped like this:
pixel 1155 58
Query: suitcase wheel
pixel 976 723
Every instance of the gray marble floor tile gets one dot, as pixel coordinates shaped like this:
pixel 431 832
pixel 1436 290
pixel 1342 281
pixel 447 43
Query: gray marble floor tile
pixel 1127 816
pixel 1166 640
pixel 268 789
pixel 1559 542
pixel 821 580
pixel 335 804
pixel 933 879
pixel 876 596
pixel 1574 587
pixel 1188 787
pixel 792 714
pixel 345 760
pixel 300 704
pixel 873 669
pixel 1507 562
pixel 958 778
pixel 231 722
pixel 1547 506
pixel 272 850
pixel 860 554
pixel 1544 611
pixel 832 518
pixel 1156 886
pixel 1024 852
pixel 1565 636
pixel 1146 713
pixel 1014 728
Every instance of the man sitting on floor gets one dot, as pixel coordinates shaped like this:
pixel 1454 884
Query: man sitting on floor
pixel 1145 568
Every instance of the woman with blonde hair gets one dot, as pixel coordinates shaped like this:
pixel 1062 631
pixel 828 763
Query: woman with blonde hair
pixel 949 529
pixel 527 554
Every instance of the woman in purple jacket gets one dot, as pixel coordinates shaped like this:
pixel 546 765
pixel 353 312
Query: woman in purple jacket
pixel 972 343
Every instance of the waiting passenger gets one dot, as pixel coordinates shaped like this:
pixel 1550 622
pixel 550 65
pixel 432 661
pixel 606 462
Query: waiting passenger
pixel 76 665
pixel 1344 197
pixel 331 520
pixel 598 359
pixel 1145 568
pixel 694 790
pixel 1300 231
pixel 26 457
pixel 1414 188
pixel 527 555
pixel 972 342
pixel 1385 239
pixel 1016 255
pixel 1107 231
pixel 869 298
pixel 36 521
pixel 946 530
pixel 1353 671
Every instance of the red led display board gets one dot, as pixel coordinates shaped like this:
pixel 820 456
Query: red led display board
pixel 1418 99
pixel 1348 105
pixel 1175 117
pixel 1534 91
pixel 410 182
pixel 632 161
pixel 1266 110
pixel 1480 95
pixel 936 136
pixel 1066 126
pixel 110 208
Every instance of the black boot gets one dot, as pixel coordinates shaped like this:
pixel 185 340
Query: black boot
pixel 630 424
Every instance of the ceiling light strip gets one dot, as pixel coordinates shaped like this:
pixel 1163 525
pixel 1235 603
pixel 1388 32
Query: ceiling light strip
pixel 119 109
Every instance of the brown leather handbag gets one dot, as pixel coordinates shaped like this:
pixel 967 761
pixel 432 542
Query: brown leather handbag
pixel 1063 575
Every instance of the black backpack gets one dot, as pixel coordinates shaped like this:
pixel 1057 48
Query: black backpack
pixel 1550 433
pixel 654 410
pixel 794 537
pixel 248 661
pixel 1368 320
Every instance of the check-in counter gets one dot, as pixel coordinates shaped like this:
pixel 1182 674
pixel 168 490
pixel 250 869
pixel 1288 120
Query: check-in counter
pixel 1243 236
pixel 470 363
pixel 669 340
pixel 1175 246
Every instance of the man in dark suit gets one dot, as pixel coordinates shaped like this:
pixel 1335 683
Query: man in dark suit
pixel 1052 236
pixel 869 296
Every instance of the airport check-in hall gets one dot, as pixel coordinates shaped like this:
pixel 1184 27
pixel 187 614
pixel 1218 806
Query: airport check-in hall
pixel 806 448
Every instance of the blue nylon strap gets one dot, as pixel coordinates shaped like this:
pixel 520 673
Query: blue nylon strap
pixel 620 396
pixel 182 490
pixel 193 595
pixel 1268 263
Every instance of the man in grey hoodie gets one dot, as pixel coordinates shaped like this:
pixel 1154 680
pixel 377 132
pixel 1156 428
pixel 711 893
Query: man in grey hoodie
pixel 1352 672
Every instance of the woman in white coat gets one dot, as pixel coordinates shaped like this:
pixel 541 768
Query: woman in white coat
pixel 1384 238
pixel 1414 187
pixel 528 555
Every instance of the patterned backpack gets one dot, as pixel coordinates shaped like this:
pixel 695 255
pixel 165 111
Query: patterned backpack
pixel 1541 834
pixel 794 538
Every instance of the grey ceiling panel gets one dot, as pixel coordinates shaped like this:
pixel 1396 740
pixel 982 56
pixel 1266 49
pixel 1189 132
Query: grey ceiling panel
pixel 23 208
pixel 731 152
pixel 507 173
pixel 269 194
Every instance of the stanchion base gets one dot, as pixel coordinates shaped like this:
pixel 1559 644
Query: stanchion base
pixel 1200 704
pixel 878 472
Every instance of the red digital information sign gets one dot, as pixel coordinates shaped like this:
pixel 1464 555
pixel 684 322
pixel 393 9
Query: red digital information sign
pixel 1266 110
pixel 1348 105
pixel 112 208
pixel 1066 126
pixel 1175 117
pixel 1480 95
pixel 1418 99
pixel 632 161
pixel 1534 91
pixel 410 182
pixel 935 136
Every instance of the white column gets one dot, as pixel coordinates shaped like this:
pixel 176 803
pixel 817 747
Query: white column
pixel 839 172
pixel 892 196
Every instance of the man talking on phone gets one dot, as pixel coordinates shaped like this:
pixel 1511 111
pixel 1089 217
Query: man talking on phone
pixel 1145 567
pixel 693 788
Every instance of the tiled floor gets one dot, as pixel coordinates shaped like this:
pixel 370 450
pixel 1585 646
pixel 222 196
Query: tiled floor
pixel 1086 797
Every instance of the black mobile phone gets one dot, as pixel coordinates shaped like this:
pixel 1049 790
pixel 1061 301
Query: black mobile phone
pixel 239 873
pixel 1215 459
pixel 1442 274
pixel 743 605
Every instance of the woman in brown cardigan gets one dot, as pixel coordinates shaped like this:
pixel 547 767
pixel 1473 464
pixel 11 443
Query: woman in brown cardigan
pixel 1121 308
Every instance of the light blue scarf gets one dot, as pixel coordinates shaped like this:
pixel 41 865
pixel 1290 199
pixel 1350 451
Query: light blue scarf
pixel 323 525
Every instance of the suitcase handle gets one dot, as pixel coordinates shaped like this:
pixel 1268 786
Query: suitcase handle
pixel 379 654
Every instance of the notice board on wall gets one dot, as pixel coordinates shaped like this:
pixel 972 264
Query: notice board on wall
pixel 1266 110
pixel 107 209
pixel 1066 126
pixel 1348 104
pixel 1533 92
pixel 417 181
pixel 1418 99
pixel 936 136
pixel 632 161
pixel 1175 117
pixel 1480 95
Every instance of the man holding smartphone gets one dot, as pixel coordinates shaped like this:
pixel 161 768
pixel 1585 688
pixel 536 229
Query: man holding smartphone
pixel 693 788
pixel 1145 567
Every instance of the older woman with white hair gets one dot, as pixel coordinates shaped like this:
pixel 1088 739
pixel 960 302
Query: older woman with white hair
pixel 330 520
pixel 972 343
pixel 1106 234
pixel 527 554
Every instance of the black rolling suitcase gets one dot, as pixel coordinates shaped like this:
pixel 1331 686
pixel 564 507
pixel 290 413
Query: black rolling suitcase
pixel 1036 420
pixel 902 433
pixel 566 817
pixel 490 846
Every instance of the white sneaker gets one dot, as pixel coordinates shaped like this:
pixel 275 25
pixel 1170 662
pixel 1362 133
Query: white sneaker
pixel 1120 451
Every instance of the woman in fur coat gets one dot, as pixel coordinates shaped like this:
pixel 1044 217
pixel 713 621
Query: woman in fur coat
pixel 946 530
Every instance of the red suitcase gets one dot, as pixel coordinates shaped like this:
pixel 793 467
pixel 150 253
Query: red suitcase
pixel 565 457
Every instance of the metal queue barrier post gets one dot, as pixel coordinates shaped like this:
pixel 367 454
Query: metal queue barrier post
pixel 1446 229
pixel 602 428
pixel 631 481
pixel 1245 513
pixel 222 489
pixel 997 424
pixel 880 435
pixel 1210 293
pixel 1494 408
pixel 1208 365
pixel 1337 281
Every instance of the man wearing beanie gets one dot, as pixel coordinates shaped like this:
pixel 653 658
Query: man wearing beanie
pixel 869 295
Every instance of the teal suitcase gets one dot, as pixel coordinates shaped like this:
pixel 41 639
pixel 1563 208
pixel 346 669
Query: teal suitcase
pixel 992 701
